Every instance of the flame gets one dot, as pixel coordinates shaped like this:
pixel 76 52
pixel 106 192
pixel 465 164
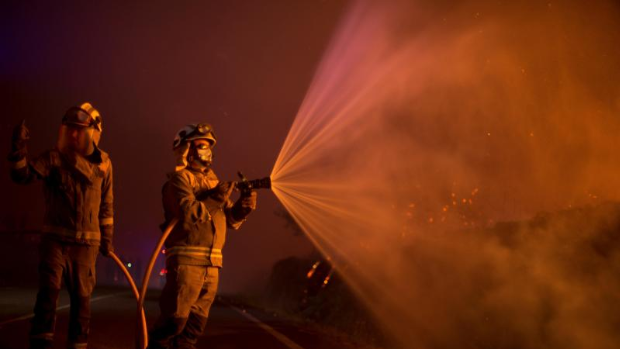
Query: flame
pixel 312 270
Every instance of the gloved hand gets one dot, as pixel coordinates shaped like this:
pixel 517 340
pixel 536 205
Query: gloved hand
pixel 244 206
pixel 222 191
pixel 106 248
pixel 19 142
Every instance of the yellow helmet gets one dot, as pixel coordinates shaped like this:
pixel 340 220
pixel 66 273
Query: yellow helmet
pixel 84 115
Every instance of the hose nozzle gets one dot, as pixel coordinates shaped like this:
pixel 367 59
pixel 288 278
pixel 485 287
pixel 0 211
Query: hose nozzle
pixel 246 186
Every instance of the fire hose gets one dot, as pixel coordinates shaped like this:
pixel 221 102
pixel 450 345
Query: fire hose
pixel 142 342
pixel 141 315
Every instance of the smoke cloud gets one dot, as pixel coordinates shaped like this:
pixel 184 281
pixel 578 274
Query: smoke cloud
pixel 425 125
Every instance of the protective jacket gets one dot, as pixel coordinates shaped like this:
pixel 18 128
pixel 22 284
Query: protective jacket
pixel 78 194
pixel 199 236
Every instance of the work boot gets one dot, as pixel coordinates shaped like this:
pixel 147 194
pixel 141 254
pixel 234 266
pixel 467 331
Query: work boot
pixel 194 328
pixel 163 334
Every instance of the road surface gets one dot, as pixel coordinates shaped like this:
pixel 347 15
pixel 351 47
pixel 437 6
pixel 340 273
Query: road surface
pixel 113 324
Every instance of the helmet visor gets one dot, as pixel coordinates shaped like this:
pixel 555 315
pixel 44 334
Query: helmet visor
pixel 76 138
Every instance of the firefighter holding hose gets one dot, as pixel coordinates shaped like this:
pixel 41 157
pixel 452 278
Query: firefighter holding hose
pixel 201 203
pixel 78 221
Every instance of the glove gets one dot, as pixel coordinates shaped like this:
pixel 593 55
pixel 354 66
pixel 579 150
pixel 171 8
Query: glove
pixel 19 148
pixel 106 248
pixel 221 193
pixel 244 206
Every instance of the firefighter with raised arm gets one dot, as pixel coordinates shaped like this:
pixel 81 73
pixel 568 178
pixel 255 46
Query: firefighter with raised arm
pixel 78 221
pixel 202 204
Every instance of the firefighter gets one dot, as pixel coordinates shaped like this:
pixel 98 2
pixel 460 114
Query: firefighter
pixel 193 252
pixel 78 221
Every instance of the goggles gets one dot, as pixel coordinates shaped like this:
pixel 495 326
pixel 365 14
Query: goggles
pixel 79 116
pixel 204 129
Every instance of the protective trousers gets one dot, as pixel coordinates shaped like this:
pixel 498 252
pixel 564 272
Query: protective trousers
pixel 185 302
pixel 76 265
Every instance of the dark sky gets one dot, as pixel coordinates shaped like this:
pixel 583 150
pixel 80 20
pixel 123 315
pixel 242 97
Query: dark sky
pixel 150 68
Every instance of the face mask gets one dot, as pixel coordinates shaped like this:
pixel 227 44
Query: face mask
pixel 203 156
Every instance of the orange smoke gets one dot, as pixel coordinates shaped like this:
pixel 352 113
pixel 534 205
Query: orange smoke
pixel 425 119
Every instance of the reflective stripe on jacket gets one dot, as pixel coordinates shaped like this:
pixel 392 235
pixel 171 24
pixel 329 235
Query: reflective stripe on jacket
pixel 207 255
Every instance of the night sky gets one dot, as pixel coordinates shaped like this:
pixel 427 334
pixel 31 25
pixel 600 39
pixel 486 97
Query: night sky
pixel 150 68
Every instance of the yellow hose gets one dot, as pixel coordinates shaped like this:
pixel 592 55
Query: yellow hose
pixel 147 275
pixel 141 316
